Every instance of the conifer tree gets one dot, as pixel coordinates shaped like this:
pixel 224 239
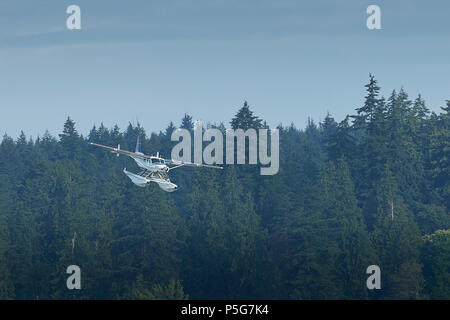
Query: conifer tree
pixel 70 140
pixel 436 255
pixel 396 238
pixel 186 122
pixel 244 119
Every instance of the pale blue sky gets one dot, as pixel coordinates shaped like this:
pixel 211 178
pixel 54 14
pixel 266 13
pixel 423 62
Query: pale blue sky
pixel 156 60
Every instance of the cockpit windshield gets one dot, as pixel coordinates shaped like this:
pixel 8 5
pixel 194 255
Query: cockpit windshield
pixel 158 161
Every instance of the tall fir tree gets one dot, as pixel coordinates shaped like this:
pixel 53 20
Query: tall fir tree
pixel 244 119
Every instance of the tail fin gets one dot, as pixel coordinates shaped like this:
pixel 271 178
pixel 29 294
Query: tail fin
pixel 138 145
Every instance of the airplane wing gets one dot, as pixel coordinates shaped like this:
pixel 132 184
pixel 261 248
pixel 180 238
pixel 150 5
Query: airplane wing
pixel 178 164
pixel 139 155
pixel 120 151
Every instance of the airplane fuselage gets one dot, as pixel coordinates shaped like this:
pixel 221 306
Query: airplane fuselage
pixel 157 167
pixel 153 164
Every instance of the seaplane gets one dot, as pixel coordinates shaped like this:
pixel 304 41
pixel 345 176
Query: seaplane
pixel 153 168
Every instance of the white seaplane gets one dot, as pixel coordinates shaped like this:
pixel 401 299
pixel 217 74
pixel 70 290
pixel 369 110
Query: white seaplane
pixel 154 168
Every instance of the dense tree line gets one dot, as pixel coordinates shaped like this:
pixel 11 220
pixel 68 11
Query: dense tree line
pixel 373 188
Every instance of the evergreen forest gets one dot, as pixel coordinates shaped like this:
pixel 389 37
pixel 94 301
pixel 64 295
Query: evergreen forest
pixel 370 189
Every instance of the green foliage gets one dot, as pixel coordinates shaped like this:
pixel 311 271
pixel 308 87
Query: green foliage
pixel 347 195
pixel 172 291
pixel 245 119
pixel 436 257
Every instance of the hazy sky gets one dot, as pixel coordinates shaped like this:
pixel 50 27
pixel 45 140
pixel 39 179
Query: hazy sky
pixel 156 60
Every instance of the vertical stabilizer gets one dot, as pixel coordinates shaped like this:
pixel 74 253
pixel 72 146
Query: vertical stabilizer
pixel 138 145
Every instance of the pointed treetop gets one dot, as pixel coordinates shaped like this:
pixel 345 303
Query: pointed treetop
pixel 365 113
pixel 447 108
pixel 170 128
pixel 186 122
pixel 69 129
pixel 244 119
pixel 22 138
